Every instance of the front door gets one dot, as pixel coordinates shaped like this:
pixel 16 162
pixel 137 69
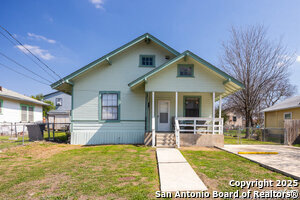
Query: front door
pixel 163 115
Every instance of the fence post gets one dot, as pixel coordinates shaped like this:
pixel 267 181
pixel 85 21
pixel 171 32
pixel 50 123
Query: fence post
pixel 23 134
pixel 16 131
pixel 194 126
pixel 48 129
pixel 53 130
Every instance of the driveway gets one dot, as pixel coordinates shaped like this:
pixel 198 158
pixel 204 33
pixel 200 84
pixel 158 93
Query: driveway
pixel 287 161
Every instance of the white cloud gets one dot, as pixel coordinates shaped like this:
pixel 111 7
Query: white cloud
pixel 37 51
pixel 40 37
pixel 98 3
pixel 298 59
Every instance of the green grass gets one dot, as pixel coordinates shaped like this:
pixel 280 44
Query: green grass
pixel 236 140
pixel 296 145
pixel 217 168
pixel 46 170
pixel 6 142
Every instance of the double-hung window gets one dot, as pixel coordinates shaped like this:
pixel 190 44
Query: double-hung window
pixel 27 113
pixel 147 60
pixel 109 106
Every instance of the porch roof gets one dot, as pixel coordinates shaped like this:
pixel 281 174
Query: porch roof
pixel 231 84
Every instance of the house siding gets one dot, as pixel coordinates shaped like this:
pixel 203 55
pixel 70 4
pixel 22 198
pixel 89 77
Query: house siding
pixel 275 119
pixel 11 111
pixel 204 80
pixel 87 128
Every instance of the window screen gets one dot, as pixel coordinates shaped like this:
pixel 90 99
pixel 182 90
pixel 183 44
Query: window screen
pixel 192 107
pixel 185 70
pixel 109 106
pixel 24 113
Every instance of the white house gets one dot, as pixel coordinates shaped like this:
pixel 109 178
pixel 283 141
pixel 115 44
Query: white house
pixel 15 107
pixel 147 90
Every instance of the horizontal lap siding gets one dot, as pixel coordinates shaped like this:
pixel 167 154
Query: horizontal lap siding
pixel 86 133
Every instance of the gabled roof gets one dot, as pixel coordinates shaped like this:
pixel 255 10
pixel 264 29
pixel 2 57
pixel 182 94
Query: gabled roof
pixel 46 95
pixel 107 56
pixel 293 102
pixel 20 97
pixel 197 58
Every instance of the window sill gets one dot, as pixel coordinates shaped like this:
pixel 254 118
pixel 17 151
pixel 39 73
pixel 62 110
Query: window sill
pixel 185 76
pixel 148 66
pixel 109 121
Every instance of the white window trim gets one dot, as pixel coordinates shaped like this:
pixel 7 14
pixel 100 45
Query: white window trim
pixel 287 113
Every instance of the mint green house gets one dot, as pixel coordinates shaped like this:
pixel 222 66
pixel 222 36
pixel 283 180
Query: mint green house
pixel 144 89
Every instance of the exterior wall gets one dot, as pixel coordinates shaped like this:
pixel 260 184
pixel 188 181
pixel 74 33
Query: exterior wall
pixel 204 80
pixel 87 127
pixel 275 119
pixel 206 140
pixel 206 105
pixel 66 104
pixel 11 111
pixel 238 123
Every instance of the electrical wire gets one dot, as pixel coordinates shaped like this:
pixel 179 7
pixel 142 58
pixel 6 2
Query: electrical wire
pixel 14 44
pixel 29 51
pixel 23 74
pixel 12 60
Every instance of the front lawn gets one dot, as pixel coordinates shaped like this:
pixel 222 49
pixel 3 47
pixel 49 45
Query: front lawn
pixel 241 140
pixel 216 168
pixel 43 170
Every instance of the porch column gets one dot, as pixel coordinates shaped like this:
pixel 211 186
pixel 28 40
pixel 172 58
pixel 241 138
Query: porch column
pixel 213 113
pixel 153 121
pixel 220 115
pixel 176 105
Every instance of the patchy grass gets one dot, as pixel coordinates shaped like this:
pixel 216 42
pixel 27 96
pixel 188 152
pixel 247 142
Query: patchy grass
pixel 6 142
pixel 43 170
pixel 296 145
pixel 236 140
pixel 216 168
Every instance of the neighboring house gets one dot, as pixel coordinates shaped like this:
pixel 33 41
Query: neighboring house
pixel 62 103
pixel 287 109
pixel 142 88
pixel 234 120
pixel 15 107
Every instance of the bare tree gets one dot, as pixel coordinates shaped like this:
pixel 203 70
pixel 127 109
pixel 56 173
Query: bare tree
pixel 261 65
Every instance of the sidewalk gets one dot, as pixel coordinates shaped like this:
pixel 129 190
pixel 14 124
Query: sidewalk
pixel 175 173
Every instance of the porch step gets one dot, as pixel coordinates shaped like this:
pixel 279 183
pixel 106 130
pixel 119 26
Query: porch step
pixel 165 140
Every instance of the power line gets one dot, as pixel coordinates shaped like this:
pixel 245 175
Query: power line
pixel 29 51
pixel 28 56
pixel 23 74
pixel 12 60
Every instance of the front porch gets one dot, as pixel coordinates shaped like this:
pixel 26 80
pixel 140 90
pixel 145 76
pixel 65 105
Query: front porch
pixel 190 117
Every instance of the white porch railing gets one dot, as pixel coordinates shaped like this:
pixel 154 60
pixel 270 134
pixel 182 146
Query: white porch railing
pixel 197 125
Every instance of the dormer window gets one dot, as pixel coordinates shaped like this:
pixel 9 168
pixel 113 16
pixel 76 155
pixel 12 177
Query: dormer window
pixel 147 60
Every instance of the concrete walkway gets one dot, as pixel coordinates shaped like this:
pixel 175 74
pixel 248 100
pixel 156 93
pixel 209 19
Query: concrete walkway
pixel 287 161
pixel 175 173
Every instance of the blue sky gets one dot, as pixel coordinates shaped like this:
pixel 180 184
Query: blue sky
pixel 70 34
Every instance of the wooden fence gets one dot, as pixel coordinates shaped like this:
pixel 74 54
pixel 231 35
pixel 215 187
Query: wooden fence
pixel 292 134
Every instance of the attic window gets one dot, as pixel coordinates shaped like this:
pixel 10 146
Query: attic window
pixel 147 60
pixel 287 115
pixel 58 101
pixel 185 70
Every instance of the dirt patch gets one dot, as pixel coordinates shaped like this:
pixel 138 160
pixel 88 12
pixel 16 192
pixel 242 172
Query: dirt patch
pixel 41 150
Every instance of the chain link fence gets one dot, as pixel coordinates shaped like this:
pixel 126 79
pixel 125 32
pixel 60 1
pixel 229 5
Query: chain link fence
pixel 245 135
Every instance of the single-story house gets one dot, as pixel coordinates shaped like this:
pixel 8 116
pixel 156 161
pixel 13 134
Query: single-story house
pixel 62 103
pixel 287 109
pixel 145 89
pixel 15 107
pixel 234 120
